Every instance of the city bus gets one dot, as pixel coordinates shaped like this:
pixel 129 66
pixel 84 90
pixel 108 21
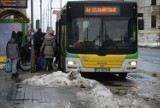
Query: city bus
pixel 98 37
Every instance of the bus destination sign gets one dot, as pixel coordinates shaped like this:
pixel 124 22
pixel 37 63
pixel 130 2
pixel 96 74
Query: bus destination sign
pixel 102 10
pixel 13 3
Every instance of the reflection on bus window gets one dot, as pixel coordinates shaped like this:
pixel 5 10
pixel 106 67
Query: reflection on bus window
pixel 85 29
pixel 103 33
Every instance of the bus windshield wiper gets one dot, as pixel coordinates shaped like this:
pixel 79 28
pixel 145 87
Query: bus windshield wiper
pixel 87 34
pixel 98 37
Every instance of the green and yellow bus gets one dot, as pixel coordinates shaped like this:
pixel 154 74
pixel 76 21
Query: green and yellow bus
pixel 98 36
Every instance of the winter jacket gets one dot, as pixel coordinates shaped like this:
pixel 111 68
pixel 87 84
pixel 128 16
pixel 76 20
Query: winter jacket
pixel 48 46
pixel 12 50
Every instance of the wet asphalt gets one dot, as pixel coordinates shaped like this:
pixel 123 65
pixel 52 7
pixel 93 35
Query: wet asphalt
pixel 6 85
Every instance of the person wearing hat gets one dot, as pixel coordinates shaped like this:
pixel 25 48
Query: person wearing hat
pixel 47 49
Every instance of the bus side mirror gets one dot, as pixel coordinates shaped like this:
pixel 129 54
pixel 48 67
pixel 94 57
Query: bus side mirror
pixel 140 24
pixel 63 19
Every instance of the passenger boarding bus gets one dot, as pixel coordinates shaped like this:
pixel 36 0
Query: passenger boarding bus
pixel 98 36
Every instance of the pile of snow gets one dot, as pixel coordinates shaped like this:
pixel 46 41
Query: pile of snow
pixel 155 44
pixel 99 97
pixel 60 79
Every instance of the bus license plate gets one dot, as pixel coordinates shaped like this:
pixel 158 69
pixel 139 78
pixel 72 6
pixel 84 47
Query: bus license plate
pixel 102 70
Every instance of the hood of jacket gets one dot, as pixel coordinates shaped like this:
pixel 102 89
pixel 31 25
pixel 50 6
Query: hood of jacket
pixel 12 40
pixel 49 38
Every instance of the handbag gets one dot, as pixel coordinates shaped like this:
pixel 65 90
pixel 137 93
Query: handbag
pixel 8 66
pixel 41 61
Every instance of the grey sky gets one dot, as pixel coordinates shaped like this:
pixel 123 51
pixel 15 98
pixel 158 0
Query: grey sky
pixel 45 13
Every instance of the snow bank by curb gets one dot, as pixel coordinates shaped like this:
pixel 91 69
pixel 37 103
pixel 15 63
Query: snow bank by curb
pixel 60 79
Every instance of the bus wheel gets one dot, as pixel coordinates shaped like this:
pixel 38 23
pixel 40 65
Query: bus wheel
pixel 123 75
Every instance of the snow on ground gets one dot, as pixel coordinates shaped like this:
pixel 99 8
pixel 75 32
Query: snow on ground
pixel 98 97
pixel 60 79
pixel 150 44
pixel 101 97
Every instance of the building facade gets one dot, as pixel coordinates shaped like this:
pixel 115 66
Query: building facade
pixel 151 15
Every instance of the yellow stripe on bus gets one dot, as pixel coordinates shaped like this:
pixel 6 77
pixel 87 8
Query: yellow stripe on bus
pixel 95 61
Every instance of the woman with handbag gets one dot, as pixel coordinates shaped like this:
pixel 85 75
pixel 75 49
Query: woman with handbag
pixel 12 53
pixel 47 49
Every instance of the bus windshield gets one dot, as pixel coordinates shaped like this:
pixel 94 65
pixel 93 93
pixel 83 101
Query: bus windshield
pixel 105 35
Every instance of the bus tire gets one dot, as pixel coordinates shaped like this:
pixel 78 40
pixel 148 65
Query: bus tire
pixel 123 75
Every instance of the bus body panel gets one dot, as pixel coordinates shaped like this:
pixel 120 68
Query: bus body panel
pixel 125 67
pixel 108 63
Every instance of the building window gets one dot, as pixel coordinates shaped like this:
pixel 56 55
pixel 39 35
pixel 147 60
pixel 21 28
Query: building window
pixel 153 2
pixel 153 21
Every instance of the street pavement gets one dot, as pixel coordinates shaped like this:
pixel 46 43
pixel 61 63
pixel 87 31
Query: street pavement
pixel 15 94
pixel 6 85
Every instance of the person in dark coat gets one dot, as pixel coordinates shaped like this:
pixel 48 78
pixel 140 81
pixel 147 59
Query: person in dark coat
pixel 37 43
pixel 12 52
pixel 19 41
pixel 37 58
pixel 56 52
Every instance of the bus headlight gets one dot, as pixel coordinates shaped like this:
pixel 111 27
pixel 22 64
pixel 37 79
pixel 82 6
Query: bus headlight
pixel 70 62
pixel 133 63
